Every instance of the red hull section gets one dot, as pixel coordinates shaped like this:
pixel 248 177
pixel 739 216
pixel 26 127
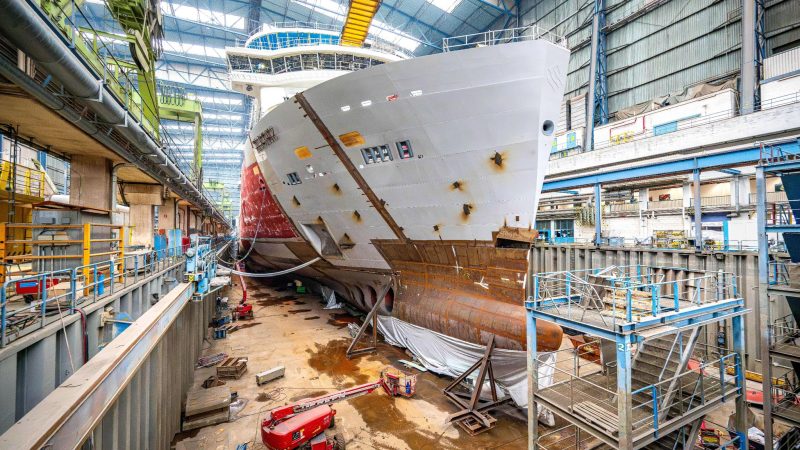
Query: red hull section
pixel 261 217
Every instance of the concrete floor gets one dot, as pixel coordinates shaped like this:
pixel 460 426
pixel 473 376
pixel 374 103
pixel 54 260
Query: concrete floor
pixel 294 331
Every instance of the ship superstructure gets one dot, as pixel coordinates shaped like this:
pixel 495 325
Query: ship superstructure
pixel 418 175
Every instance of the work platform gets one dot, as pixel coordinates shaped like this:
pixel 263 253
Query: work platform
pixel 778 278
pixel 642 377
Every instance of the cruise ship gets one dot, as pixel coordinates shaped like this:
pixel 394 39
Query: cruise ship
pixel 418 177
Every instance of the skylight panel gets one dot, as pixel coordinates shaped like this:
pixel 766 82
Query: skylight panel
pixel 194 49
pixel 445 5
pixel 377 29
pixel 202 15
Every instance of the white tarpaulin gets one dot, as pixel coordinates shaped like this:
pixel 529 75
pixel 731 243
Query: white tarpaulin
pixel 329 297
pixel 446 355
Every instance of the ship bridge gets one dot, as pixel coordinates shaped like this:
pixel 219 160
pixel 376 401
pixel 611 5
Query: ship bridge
pixel 281 59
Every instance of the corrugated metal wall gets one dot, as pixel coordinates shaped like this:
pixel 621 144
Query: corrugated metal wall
pixel 673 45
pixel 783 25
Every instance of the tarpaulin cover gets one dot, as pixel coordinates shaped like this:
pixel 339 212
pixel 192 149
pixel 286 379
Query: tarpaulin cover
pixel 673 98
pixel 449 356
pixel 329 297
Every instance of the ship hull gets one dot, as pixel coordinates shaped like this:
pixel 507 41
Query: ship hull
pixel 443 227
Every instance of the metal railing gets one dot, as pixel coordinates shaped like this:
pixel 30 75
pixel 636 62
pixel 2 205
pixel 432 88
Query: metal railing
pixel 62 292
pixel 779 272
pixel 298 63
pixel 661 243
pixel 717 200
pixel 704 382
pixel 497 37
pixel 22 180
pixel 690 123
pixel 773 154
pixel 620 295
pixel 772 197
pixel 67 291
pixel 621 207
pixel 784 331
pixel 665 204
pixel 312 41
pixel 785 401
pixel 99 51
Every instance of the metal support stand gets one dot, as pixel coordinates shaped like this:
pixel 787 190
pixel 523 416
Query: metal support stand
pixel 372 317
pixel 474 417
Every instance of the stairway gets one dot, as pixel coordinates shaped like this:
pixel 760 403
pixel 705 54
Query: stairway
pixel 681 439
pixel 657 360
pixel 791 184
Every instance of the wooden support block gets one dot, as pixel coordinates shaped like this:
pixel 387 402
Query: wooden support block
pixel 233 367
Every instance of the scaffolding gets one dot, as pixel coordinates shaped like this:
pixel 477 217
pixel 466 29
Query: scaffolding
pixel 777 279
pixel 654 380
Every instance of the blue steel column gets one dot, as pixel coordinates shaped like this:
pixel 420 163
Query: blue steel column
pixel 698 215
pixel 761 49
pixel 597 109
pixel 737 323
pixel 598 215
pixel 624 385
pixel 762 316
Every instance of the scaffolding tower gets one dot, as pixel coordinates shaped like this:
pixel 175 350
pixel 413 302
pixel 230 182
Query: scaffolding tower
pixel 645 377
pixel 778 306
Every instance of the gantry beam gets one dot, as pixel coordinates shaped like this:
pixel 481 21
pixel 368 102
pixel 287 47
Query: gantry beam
pixel 358 20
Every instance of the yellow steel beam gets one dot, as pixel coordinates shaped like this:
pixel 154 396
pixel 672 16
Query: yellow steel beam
pixel 2 251
pixel 356 24
pixel 87 252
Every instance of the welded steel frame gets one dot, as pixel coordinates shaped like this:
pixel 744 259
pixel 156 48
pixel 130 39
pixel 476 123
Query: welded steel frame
pixel 624 336
pixel 786 161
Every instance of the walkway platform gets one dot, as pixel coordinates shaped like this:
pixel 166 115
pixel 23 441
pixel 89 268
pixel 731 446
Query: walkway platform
pixel 653 379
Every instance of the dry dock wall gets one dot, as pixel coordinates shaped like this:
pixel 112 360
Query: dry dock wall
pixel 130 394
pixel 34 364
pixel 550 258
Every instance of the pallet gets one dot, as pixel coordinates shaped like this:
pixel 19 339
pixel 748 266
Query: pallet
pixel 233 367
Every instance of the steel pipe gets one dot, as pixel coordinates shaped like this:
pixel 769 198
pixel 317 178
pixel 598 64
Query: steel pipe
pixel 28 31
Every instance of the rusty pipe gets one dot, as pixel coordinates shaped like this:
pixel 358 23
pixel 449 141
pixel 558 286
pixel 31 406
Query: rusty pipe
pixel 471 317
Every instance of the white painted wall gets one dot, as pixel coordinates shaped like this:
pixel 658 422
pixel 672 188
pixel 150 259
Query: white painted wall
pixel 742 229
pixel 779 92
pixel 720 105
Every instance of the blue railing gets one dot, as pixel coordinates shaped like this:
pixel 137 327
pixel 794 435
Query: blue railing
pixel 622 294
pixel 75 288
pixel 702 390
pixel 653 406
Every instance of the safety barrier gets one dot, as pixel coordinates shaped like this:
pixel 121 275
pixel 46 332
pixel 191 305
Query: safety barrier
pixel 62 291
pixel 25 180
pixel 74 242
pixel 620 295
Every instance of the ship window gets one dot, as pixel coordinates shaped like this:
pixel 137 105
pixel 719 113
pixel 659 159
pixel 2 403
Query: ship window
pixel 294 178
pixel 386 155
pixel 377 154
pixel 404 149
pixel 369 158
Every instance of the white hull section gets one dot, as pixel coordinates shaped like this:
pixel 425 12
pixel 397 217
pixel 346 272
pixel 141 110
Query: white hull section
pixel 480 125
